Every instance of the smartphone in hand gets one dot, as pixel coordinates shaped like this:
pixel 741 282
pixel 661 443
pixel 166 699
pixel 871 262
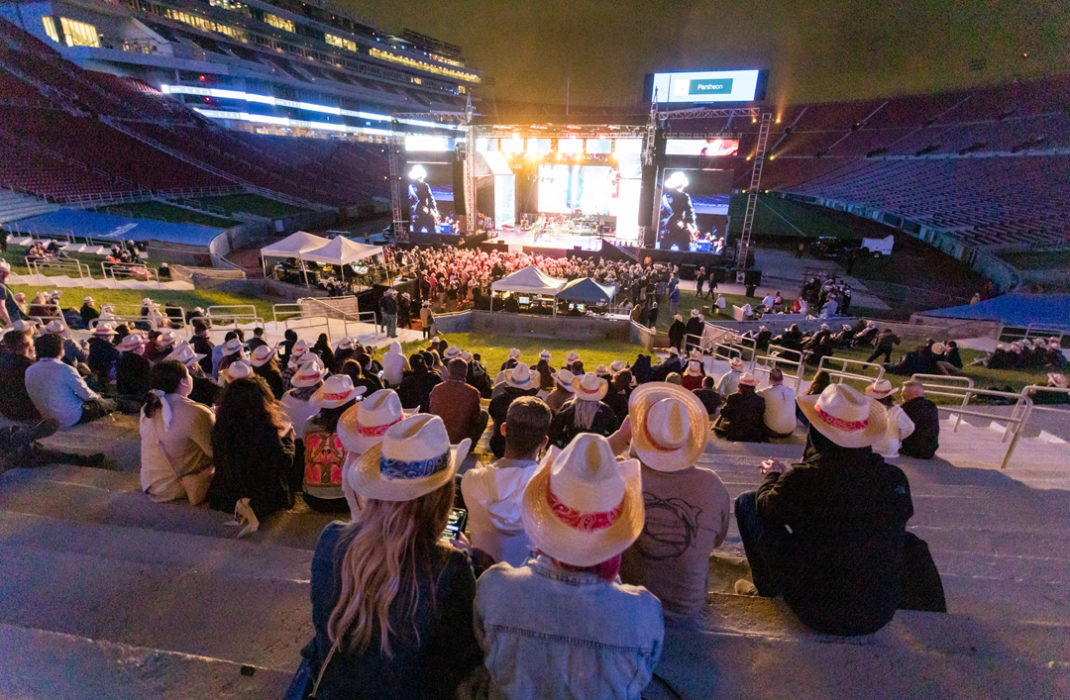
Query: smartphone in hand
pixel 455 525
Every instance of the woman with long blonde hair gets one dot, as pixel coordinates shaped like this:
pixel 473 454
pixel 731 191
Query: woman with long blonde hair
pixel 391 600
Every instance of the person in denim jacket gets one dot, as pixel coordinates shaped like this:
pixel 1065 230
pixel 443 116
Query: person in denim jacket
pixel 563 625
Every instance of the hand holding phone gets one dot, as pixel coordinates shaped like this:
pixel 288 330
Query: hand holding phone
pixel 772 465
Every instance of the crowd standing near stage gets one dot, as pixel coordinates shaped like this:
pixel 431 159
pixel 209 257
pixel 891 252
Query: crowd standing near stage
pixel 559 504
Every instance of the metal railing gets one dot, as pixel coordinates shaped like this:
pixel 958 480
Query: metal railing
pixel 793 369
pixel 64 266
pixel 845 369
pixel 233 315
pixel 1034 330
pixel 1033 389
pixel 291 315
pixel 115 270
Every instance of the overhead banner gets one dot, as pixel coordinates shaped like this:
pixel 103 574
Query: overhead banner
pixel 705 86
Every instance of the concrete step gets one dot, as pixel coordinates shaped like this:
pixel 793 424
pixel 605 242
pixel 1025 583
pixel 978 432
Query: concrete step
pixel 38 663
pixel 753 647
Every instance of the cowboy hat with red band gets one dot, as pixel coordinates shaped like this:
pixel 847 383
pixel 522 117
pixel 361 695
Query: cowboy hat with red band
pixel 843 415
pixel 261 355
pixel 880 389
pixel 131 343
pixel 365 423
pixel 308 375
pixel 184 353
pixel 749 379
pixel 103 329
pixel 737 364
pixel 337 390
pixel 583 507
pixel 589 387
pixel 669 426
pixel 239 369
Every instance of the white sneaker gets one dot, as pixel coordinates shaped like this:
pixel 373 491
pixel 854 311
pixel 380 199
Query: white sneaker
pixel 244 515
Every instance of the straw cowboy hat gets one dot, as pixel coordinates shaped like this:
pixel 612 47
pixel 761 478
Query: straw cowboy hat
pixel 261 355
pixel 365 423
pixel 308 375
pixel 414 459
pixel 572 357
pixel 748 379
pixel 669 426
pixel 589 387
pixel 1057 379
pixel 844 415
pixel 694 368
pixel 344 344
pixel 451 352
pixel 165 339
pixel 616 366
pixel 520 377
pixel 737 364
pixel 88 300
pixel 939 348
pixel 55 327
pixel 232 346
pixel 184 353
pixel 581 506
pixel 103 329
pixel 880 389
pixel 238 370
pixel 514 353
pixel 337 390
pixel 545 355
pixel 131 343
pixel 564 378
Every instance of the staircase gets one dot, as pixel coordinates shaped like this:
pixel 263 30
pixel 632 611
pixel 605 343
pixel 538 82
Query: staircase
pixel 15 206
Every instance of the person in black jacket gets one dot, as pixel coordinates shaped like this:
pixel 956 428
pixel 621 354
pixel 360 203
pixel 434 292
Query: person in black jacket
pixel 742 418
pixel 676 332
pixel 415 388
pixel 102 354
pixel 829 533
pixel 925 439
pixel 585 412
pixel 132 370
pixel 695 326
pixel 885 342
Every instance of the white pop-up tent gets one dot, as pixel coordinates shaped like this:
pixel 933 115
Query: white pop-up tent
pixel 292 247
pixel 341 252
pixel 530 280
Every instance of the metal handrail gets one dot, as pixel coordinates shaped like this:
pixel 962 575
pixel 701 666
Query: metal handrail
pixel 1058 408
pixel 233 315
pixel 844 373
pixel 918 377
pixel 35 265
pixel 765 363
pixel 127 268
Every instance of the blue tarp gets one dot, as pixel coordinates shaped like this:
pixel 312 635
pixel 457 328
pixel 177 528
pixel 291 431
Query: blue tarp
pixel 110 227
pixel 1015 310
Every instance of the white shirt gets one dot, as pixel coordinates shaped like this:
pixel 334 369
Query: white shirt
pixel 57 390
pixel 728 383
pixel 393 365
pixel 768 300
pixel 899 427
pixel 779 408
pixel 297 411
pixel 184 448
pixel 493 495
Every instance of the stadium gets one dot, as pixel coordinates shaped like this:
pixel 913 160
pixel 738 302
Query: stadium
pixel 201 198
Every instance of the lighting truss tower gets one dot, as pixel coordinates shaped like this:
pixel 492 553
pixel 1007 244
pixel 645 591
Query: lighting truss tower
pixel 764 126
pixel 393 146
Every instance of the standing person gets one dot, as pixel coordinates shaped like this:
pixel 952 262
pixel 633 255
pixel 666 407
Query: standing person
pixel 457 404
pixel 427 319
pixel 884 343
pixel 899 424
pixel 581 509
pixel 677 329
pixel 923 442
pixel 674 298
pixel 686 507
pixel 388 309
pixel 493 493
pixel 176 437
pixel 696 326
pixel 405 310
pixel 253 451
pixel 779 416
pixel 58 392
pixel 829 533
pixel 742 418
pixel 585 412
pixel 392 604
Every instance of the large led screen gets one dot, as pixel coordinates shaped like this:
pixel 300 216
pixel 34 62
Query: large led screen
pixel 708 148
pixel 430 197
pixel 705 86
pixel 590 189
pixel 693 212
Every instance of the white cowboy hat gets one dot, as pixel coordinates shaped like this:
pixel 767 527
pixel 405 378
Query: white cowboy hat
pixel 669 426
pixel 414 459
pixel 466 356
pixel 184 353
pixel 748 379
pixel 239 369
pixel 308 374
pixel 589 387
pixel 616 366
pixel 451 352
pixel 232 346
pixel 147 302
pixel 103 329
pixel 695 354
pixel 520 377
pixel 824 326
pixel 545 355
pixel 5 266
pixel 564 378
pixel 88 300
pixel 417 172
pixel 299 348
pixel 344 344
pixel 572 357
pixel 55 327
pixel 674 351
pixel 21 325
pixel 694 368
pixel 581 506
pixel 939 348
pixel 694 313
pixel 737 364
pixel 514 353
pixel 675 180
pixel 601 370
pixel 882 388
pixel 130 343
pixel 1057 379
pixel 337 390
pixel 365 423
pixel 261 355
pixel 165 339
pixel 843 415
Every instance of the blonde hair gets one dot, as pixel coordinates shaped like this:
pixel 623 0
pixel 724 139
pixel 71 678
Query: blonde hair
pixel 382 563
pixel 584 413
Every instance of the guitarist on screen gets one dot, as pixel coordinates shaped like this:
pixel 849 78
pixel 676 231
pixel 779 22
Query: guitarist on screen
pixel 677 214
pixel 422 205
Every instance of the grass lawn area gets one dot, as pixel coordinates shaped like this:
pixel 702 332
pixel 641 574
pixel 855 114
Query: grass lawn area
pixel 248 203
pixel 776 217
pixel 160 211
pixel 15 256
pixel 72 296
pixel 495 349
pixel 689 300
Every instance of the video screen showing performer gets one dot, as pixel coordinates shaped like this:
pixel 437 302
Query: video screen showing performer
pixel 423 209
pixel 694 210
pixel 677 228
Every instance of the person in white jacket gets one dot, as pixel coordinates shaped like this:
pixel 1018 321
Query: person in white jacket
pixel 394 364
pixel 493 494
pixel 779 406
pixel 899 424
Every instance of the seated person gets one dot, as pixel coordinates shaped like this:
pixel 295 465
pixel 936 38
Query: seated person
pixel 728 382
pixel 16 356
pixel 58 391
pixel 324 454
pixel 709 397
pixel 923 413
pixel 669 436
pixel 779 417
pixel 604 637
pixel 176 437
pixel 457 404
pixel 585 412
pixel 899 424
pixel 132 369
pixel 742 418
pixel 829 533
pixel 493 493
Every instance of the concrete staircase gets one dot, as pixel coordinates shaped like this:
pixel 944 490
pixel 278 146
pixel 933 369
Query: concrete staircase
pixel 106 594
pixel 15 206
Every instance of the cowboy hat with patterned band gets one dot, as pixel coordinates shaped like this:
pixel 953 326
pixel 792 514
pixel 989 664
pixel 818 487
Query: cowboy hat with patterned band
pixel 308 375
pixel 365 423
pixel 564 378
pixel 232 346
pixel 184 353
pixel 545 355
pixel 337 390
pixel 748 379
pixel 55 327
pixel 131 343
pixel 669 426
pixel 165 340
pixel 737 364
pixel 589 387
pixel 572 357
pixel 583 507
pixel 344 344
pixel 880 389
pixel 451 352
pixel 414 459
pixel 261 355
pixel 694 368
pixel 240 369
pixel 521 377
pixel 843 415
pixel 103 329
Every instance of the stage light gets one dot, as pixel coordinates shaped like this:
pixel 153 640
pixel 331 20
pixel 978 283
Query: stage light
pixel 778 120
pixel 754 120
pixel 772 157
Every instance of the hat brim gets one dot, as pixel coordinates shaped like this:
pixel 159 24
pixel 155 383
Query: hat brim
pixel 368 481
pixel 583 395
pixel 355 392
pixel 566 544
pixel 645 396
pixel 349 431
pixel 876 423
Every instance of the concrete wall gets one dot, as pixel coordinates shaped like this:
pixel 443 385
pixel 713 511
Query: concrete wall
pixel 454 323
pixel 565 327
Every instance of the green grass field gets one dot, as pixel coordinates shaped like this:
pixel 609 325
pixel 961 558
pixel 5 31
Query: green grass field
pixel 250 204
pixel 72 296
pixel 775 217
pixel 159 211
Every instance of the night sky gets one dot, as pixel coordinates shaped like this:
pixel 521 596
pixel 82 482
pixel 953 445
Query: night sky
pixel 815 49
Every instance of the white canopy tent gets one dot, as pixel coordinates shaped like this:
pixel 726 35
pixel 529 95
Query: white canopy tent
pixel 292 247
pixel 530 280
pixel 341 251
